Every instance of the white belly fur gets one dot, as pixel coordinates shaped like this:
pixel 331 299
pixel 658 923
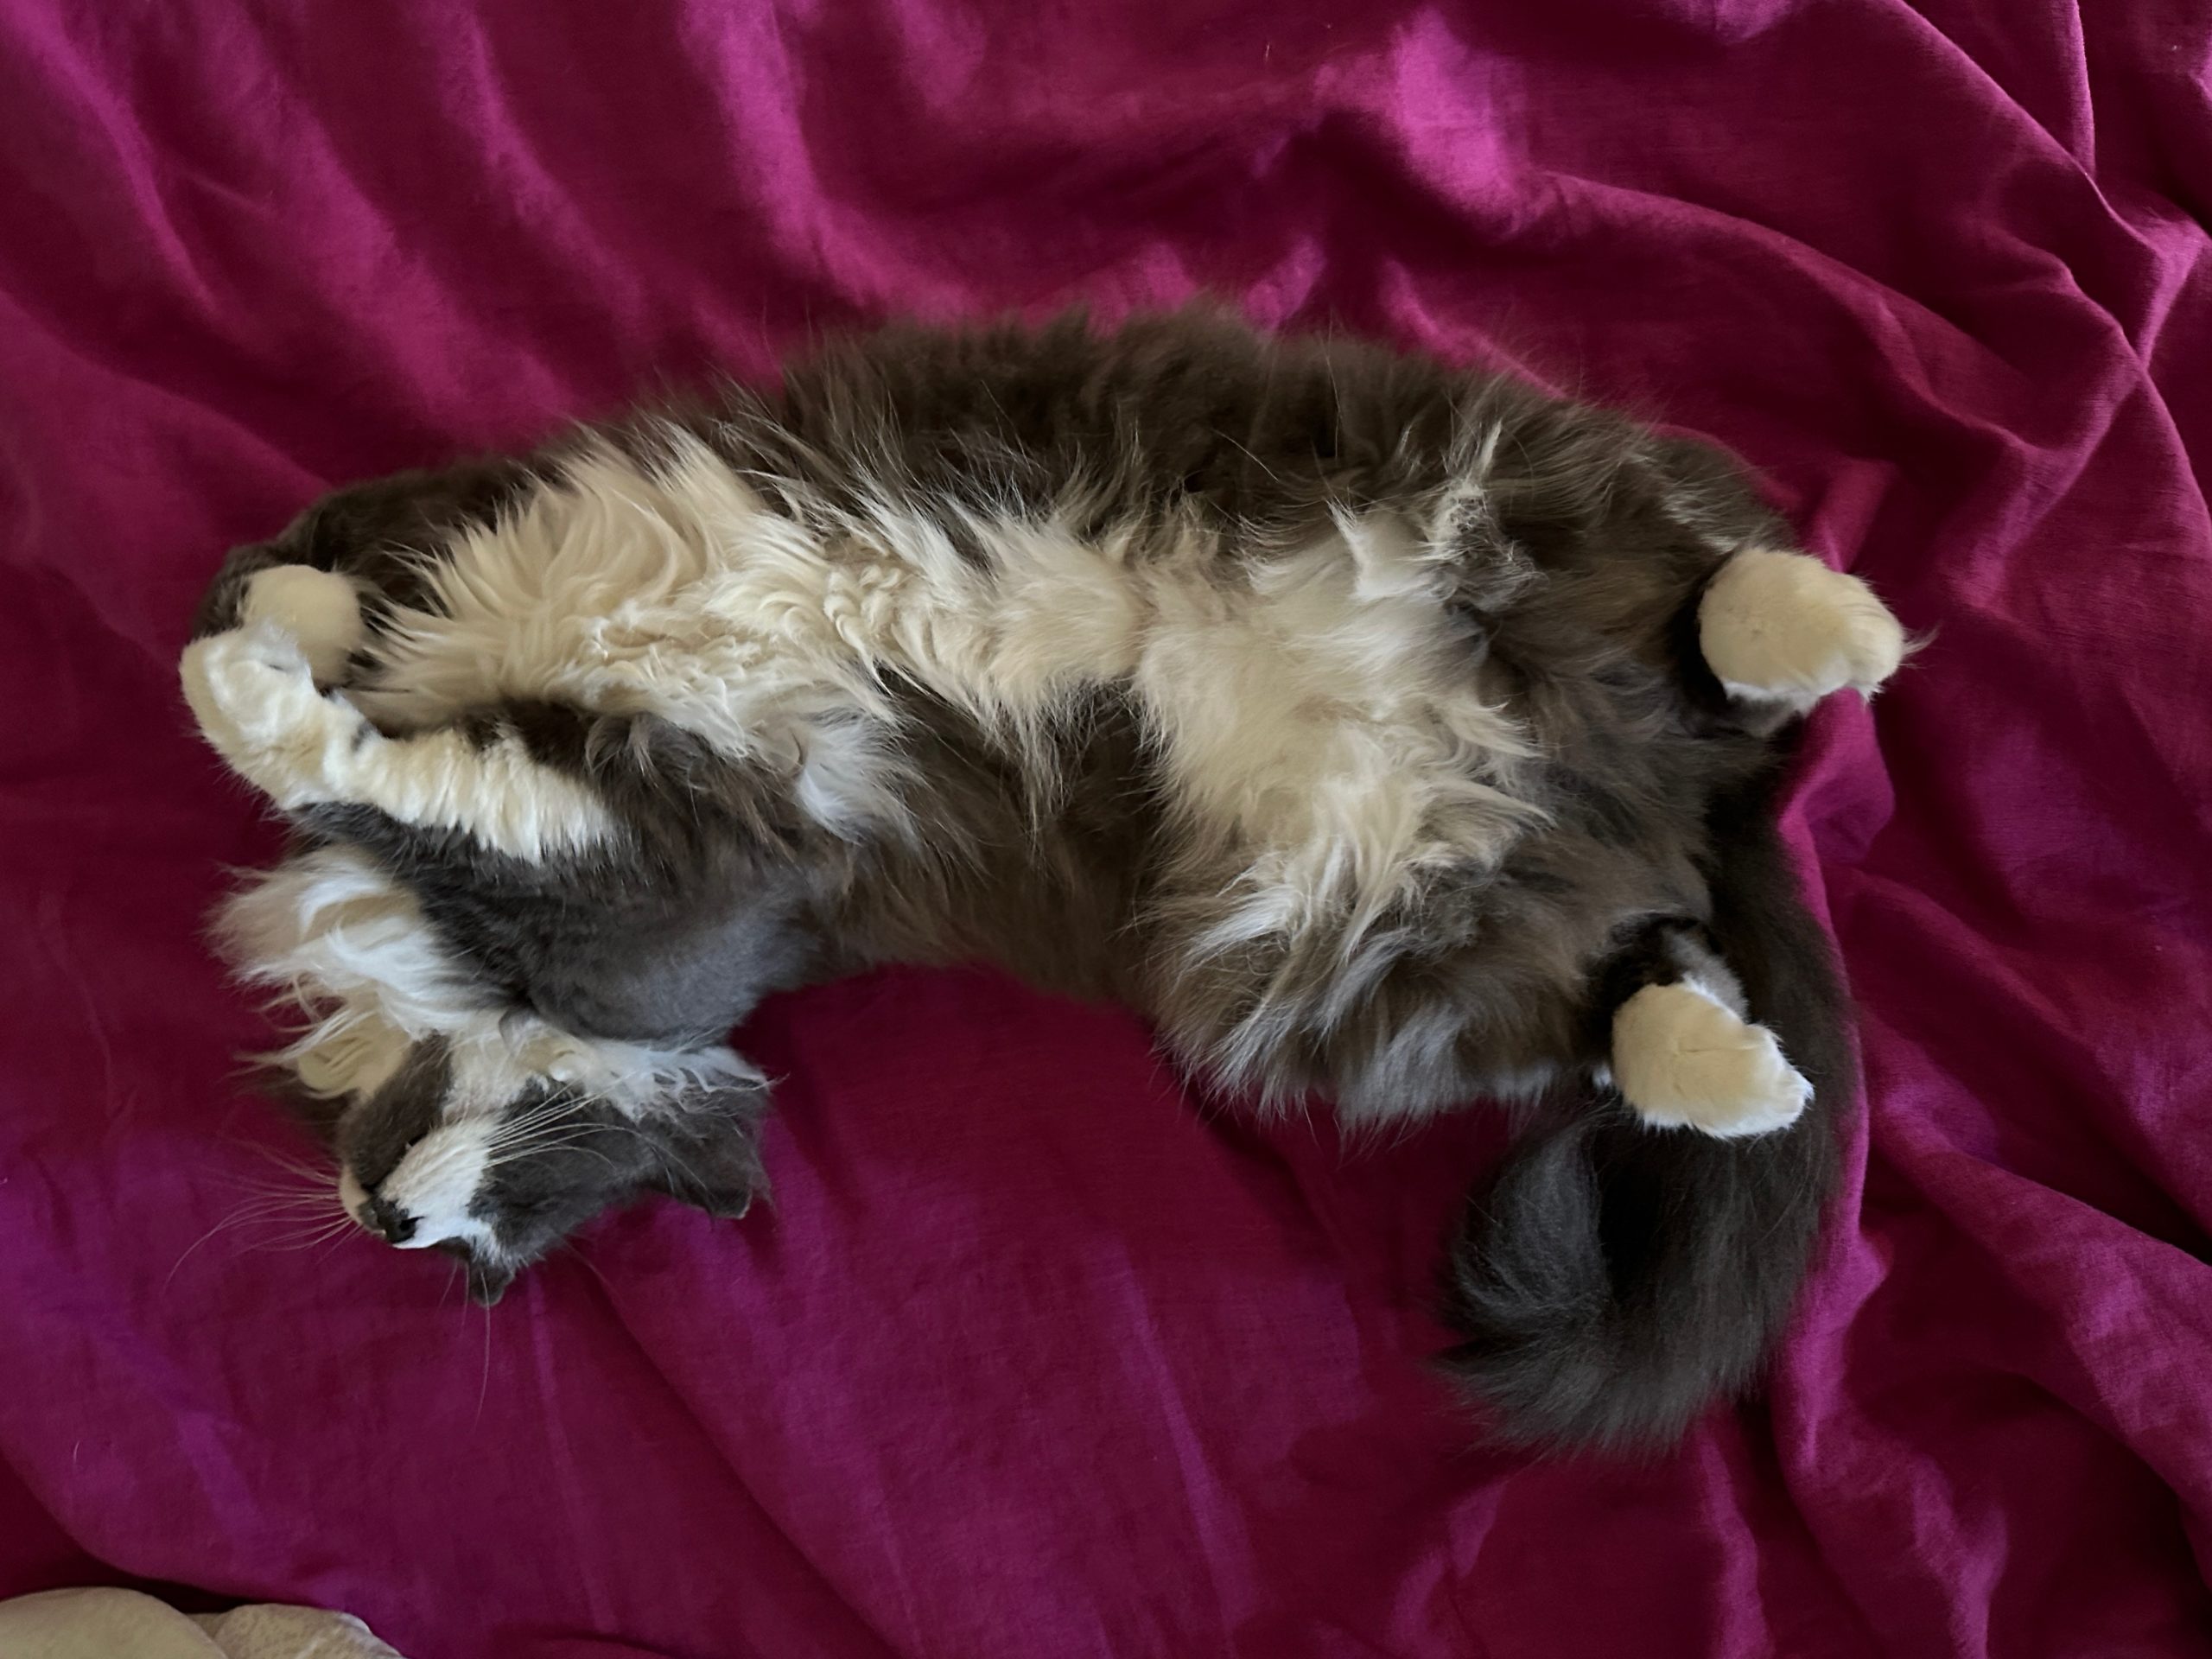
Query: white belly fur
pixel 1311 711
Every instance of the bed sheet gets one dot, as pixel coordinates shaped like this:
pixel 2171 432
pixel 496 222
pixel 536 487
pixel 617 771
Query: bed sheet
pixel 1031 1358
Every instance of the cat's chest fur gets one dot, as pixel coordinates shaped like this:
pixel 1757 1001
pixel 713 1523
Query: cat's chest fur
pixel 1313 712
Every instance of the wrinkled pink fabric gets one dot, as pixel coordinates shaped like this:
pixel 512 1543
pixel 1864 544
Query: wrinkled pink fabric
pixel 1030 1359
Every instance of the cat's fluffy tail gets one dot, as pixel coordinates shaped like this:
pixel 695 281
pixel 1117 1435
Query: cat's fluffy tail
pixel 1613 1279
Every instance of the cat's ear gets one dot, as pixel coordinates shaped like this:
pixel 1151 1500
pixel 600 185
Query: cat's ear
pixel 709 1156
pixel 488 1280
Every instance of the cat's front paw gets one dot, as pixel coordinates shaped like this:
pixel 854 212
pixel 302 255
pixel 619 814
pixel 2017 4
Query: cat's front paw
pixel 320 610
pixel 252 690
pixel 247 686
pixel 1684 1060
pixel 1783 628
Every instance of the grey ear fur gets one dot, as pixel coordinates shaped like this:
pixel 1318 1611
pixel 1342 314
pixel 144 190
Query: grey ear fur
pixel 710 1155
pixel 488 1280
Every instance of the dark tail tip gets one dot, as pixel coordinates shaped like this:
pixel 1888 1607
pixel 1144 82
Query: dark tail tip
pixel 1612 1280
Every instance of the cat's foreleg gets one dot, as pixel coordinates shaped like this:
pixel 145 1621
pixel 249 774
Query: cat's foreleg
pixel 254 692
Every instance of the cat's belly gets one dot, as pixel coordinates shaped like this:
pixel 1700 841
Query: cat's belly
pixel 1315 719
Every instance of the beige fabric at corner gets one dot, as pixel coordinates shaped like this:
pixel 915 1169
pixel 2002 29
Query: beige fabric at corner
pixel 100 1623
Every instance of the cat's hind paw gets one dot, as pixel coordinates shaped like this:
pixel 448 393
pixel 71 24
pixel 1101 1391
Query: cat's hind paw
pixel 1783 628
pixel 1683 1059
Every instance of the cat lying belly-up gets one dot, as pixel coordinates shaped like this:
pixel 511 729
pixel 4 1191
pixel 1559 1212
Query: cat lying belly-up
pixel 1387 735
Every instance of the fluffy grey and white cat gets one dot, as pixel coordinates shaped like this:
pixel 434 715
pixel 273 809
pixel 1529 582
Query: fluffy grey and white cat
pixel 1385 733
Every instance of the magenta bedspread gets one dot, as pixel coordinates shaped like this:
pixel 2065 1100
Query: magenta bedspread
pixel 1029 1360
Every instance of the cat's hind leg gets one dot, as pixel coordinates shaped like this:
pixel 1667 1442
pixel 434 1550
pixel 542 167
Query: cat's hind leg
pixel 1782 629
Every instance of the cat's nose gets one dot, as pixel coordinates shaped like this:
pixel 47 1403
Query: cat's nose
pixel 381 1216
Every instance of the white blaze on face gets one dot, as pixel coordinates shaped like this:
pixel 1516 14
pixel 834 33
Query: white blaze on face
pixel 437 1180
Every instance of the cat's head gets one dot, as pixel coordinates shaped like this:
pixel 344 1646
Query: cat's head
pixel 461 1120
pixel 494 1146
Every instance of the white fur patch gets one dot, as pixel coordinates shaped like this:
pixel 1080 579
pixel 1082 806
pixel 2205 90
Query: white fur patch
pixel 331 934
pixel 1311 706
pixel 437 1180
pixel 1782 627
pixel 253 692
pixel 1320 716
pixel 354 1057
pixel 1682 1057
pixel 614 591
